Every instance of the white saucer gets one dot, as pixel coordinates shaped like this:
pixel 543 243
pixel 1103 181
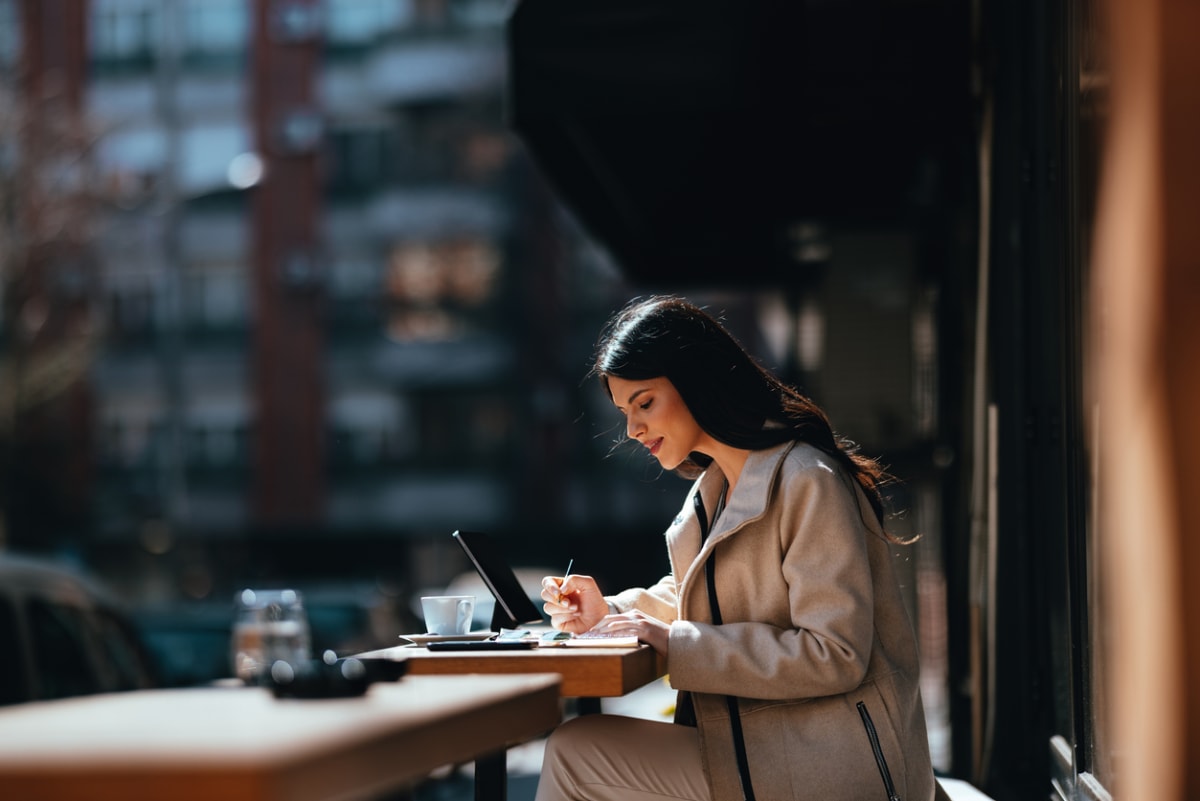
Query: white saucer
pixel 422 639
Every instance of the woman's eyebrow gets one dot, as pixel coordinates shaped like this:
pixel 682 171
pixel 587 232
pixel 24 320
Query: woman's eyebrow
pixel 632 397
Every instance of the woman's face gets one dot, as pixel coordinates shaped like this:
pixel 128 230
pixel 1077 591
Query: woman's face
pixel 657 417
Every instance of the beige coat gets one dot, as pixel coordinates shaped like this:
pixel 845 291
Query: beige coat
pixel 813 624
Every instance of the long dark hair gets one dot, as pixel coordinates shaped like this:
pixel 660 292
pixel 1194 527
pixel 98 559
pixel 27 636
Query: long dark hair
pixel 731 396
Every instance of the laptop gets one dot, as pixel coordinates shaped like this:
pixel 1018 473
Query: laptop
pixel 513 608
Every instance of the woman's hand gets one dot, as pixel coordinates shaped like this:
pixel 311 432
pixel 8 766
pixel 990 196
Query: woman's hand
pixel 649 630
pixel 574 603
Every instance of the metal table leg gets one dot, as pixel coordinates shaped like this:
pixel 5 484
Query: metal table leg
pixel 491 777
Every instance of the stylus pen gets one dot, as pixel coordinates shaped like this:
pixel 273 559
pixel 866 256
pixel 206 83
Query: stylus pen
pixel 564 578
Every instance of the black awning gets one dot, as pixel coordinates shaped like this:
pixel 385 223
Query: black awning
pixel 690 136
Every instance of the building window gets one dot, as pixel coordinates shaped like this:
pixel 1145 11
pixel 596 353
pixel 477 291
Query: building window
pixel 360 160
pixel 464 427
pixel 10 35
pixel 355 23
pixel 123 34
pixel 436 290
pixel 481 13
pixel 215 31
pixel 128 430
pixel 216 297
pixel 369 427
pixel 132 309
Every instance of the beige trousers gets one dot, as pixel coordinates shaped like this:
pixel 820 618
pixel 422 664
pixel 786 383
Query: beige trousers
pixel 615 758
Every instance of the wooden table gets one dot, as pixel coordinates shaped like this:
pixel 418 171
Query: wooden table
pixel 242 744
pixel 586 672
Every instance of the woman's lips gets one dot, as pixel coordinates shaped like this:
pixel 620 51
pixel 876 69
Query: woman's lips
pixel 654 445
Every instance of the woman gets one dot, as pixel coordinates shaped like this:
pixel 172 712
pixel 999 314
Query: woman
pixel 781 622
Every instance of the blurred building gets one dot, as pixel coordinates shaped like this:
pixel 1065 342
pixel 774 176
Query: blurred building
pixel 342 316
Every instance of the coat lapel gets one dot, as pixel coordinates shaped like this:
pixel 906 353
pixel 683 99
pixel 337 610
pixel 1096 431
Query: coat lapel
pixel 747 503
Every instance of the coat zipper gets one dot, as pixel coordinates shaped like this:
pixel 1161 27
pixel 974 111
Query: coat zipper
pixel 873 736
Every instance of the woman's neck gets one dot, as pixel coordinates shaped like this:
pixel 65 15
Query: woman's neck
pixel 731 461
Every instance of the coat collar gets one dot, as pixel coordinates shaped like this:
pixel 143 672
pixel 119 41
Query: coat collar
pixel 752 494
pixel 748 502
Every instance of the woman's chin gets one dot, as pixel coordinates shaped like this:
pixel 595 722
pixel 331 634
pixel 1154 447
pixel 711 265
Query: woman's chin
pixel 668 464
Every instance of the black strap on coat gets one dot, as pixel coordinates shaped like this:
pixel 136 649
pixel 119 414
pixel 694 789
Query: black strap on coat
pixel 735 718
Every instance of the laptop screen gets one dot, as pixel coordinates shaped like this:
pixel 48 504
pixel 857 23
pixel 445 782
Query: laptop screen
pixel 513 605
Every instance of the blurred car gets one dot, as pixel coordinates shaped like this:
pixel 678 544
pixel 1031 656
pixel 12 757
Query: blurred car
pixel 188 641
pixel 353 616
pixel 62 634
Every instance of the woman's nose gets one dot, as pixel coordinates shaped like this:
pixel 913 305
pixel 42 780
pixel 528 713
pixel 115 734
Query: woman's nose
pixel 633 426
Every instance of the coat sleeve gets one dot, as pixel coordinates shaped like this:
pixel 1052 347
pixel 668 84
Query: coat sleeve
pixel 805 626
pixel 659 601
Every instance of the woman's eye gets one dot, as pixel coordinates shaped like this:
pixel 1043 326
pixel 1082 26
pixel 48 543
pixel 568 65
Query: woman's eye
pixel 645 405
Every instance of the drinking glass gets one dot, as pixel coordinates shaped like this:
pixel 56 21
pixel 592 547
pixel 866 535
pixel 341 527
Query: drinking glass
pixel 269 625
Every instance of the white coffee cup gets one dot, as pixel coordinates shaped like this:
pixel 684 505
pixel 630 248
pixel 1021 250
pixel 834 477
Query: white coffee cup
pixel 448 614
